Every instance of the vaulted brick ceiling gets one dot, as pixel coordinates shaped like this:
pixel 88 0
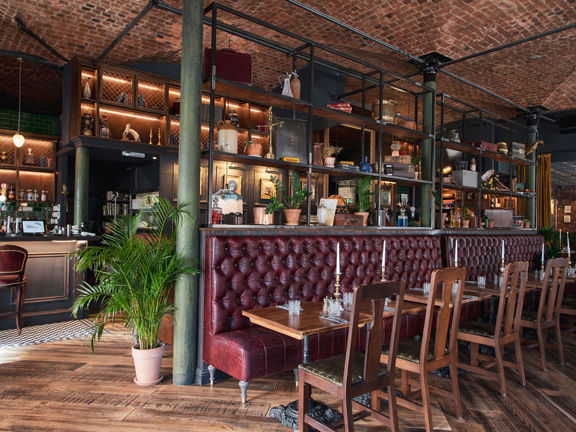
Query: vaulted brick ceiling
pixel 541 72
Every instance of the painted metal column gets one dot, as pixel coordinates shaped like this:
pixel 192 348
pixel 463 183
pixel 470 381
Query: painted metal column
pixel 428 127
pixel 187 240
pixel 533 118
pixel 81 178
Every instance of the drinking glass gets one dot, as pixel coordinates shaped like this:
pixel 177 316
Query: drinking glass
pixel 347 297
pixel 426 288
pixel 294 307
pixel 481 281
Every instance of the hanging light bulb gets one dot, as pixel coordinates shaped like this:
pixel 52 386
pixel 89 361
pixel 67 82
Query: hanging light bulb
pixel 18 138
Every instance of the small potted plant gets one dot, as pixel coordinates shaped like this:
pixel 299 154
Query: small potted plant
pixel 526 223
pixel 416 160
pixel 364 203
pixel 464 217
pixel 291 200
pixel 329 153
pixel 489 223
pixel 134 274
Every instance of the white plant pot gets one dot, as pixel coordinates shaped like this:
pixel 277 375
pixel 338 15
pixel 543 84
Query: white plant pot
pixel 147 364
pixel 329 161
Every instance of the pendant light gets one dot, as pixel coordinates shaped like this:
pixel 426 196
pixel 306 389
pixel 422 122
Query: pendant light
pixel 18 138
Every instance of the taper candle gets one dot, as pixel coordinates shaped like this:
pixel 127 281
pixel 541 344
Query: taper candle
pixel 337 258
pixel 384 254
pixel 568 245
pixel 502 250
pixel 542 259
pixel 456 254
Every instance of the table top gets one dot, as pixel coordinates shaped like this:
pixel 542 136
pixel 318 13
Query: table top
pixel 417 295
pixel 309 321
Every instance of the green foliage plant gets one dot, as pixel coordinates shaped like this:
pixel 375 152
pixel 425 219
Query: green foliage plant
pixel 362 188
pixel 134 273
pixel 290 200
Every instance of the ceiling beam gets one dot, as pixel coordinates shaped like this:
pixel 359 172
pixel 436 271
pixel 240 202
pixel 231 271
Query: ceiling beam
pixel 24 28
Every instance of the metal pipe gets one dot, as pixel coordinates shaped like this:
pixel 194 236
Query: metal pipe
pixel 428 127
pixel 81 179
pixel 187 235
pixel 355 30
pixel 29 32
pixel 353 92
pixel 510 44
pixel 32 58
pixel 124 32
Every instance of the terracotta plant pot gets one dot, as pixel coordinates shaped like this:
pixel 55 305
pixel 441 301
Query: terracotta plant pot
pixel 329 161
pixel 254 149
pixel 465 223
pixel 147 364
pixel 490 224
pixel 261 217
pixel 292 216
pixel 526 224
pixel 364 217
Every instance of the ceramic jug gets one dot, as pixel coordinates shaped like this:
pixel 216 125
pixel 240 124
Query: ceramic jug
pixel 227 137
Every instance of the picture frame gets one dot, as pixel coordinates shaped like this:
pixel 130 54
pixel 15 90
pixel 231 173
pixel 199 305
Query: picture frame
pixel 314 181
pixel 567 209
pixel 567 219
pixel 226 178
pixel 267 188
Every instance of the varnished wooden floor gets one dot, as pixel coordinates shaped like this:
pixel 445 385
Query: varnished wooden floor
pixel 60 386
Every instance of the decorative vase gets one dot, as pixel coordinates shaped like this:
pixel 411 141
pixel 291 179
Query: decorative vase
pixel 261 217
pixel 365 166
pixel 465 223
pixel 227 137
pixel 87 92
pixel 295 85
pixel 292 216
pixel 364 217
pixel 147 364
pixel 253 149
pixel 329 161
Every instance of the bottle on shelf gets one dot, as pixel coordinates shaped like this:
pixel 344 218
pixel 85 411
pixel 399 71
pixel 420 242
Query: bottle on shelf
pixel 11 193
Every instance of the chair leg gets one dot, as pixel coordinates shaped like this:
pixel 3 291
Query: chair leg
pixel 541 344
pixel 425 390
pixel 243 387
pixel 559 341
pixel 473 354
pixel 500 363
pixel 392 406
pixel 348 414
pixel 405 384
pixel 304 391
pixel 520 359
pixel 18 308
pixel 455 388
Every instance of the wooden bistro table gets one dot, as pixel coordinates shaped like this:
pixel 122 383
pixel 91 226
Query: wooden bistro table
pixel 310 321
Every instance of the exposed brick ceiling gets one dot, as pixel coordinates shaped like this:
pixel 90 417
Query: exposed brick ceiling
pixel 540 72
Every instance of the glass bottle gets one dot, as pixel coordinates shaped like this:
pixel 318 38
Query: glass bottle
pixel 11 193
pixel 21 195
pixel 29 157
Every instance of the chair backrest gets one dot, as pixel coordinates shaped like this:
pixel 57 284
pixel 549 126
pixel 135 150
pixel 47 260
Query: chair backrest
pixel 553 289
pixel 447 314
pixel 13 261
pixel 511 299
pixel 371 299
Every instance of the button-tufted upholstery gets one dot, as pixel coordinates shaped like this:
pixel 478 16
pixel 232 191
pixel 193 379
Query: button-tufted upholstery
pixel 243 273
pixel 481 254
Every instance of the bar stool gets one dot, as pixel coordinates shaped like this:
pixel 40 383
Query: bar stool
pixel 12 265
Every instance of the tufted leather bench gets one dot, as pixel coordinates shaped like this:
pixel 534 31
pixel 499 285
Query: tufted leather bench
pixel 246 272
pixel 481 254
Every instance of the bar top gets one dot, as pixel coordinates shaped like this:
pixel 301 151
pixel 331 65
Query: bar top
pixel 44 237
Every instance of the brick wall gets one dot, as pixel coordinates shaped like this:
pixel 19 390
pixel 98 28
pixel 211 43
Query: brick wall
pixel 36 123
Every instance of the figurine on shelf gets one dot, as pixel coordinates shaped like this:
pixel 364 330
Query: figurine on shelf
pixel 87 124
pixel 159 138
pixel 104 127
pixel 130 132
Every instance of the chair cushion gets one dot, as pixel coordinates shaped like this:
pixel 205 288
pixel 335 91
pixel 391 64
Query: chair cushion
pixel 332 369
pixel 409 349
pixel 478 328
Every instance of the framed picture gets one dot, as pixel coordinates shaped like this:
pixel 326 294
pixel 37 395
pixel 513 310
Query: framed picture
pixel 566 218
pixel 568 209
pixel 312 190
pixel 267 188
pixel 234 181
pixel 387 194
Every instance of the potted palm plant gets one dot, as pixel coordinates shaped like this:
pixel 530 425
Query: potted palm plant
pixel 134 274
pixel 364 203
pixel 291 200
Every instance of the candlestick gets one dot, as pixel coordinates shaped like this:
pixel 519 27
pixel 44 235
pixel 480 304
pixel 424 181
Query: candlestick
pixel 542 258
pixel 502 266
pixel 159 138
pixel 337 258
pixel 456 254
pixel 337 286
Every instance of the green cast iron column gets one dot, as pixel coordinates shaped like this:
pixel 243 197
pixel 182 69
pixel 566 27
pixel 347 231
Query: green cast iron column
pixel 428 126
pixel 81 177
pixel 187 240
pixel 531 169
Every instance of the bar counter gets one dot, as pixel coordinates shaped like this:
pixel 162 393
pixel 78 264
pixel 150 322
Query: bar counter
pixel 52 280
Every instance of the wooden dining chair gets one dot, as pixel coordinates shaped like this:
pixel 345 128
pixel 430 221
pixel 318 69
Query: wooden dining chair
pixel 432 352
pixel 358 370
pixel 12 266
pixel 547 316
pixel 504 332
